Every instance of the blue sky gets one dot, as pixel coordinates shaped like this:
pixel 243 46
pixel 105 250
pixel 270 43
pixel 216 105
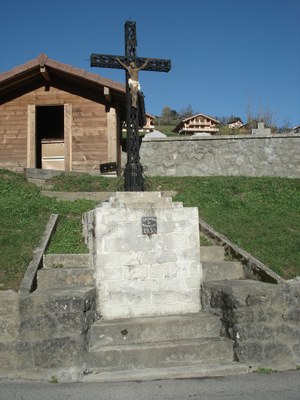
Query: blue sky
pixel 228 56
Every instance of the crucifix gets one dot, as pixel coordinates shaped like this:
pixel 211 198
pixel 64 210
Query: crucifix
pixel 132 64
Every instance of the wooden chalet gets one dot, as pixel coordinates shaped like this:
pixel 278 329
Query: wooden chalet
pixel 196 124
pixel 235 123
pixel 148 127
pixel 149 123
pixel 55 116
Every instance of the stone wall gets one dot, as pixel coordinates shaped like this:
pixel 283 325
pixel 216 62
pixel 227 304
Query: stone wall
pixel 42 331
pixel 45 333
pixel 276 155
pixel 263 319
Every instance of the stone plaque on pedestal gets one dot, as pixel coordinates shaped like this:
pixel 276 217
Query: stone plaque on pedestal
pixel 147 255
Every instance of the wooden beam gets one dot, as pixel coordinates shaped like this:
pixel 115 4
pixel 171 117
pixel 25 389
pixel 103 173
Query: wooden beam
pixel 68 136
pixel 107 94
pixel 46 76
pixel 112 134
pixel 45 73
pixel 31 138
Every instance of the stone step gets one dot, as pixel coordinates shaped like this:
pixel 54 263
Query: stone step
pixel 35 354
pixel 142 200
pixel 59 301
pixel 57 313
pixel 67 261
pixel 150 374
pixel 241 294
pixel 37 181
pixel 161 203
pixel 9 314
pixel 129 197
pixel 160 354
pixel 154 329
pixel 60 278
pixel 212 253
pixel 47 186
pixel 222 270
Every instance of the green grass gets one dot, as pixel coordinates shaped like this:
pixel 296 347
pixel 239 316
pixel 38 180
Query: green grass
pixel 53 379
pixel 167 129
pixel 85 183
pixel 23 217
pixel 205 241
pixel 265 371
pixel 261 215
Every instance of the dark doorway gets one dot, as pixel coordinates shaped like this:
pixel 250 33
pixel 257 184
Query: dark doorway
pixel 49 128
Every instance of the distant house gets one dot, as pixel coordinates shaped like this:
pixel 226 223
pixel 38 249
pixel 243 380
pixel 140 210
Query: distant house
pixel 235 123
pixel 248 126
pixel 197 124
pixel 149 123
pixel 55 116
pixel 296 129
pixel 148 127
pixel 255 127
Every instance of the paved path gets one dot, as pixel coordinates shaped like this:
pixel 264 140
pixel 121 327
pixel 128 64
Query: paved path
pixel 277 386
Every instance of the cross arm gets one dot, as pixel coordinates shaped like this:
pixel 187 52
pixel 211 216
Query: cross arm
pixel 154 64
pixel 107 61
pixel 111 61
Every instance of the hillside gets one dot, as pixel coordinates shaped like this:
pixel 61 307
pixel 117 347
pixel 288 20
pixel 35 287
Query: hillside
pixel 261 215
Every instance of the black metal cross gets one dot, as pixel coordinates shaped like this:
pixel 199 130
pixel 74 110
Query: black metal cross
pixel 134 181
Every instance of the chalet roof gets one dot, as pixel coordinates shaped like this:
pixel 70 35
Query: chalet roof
pixel 181 123
pixel 232 121
pixel 44 71
pixel 252 124
pixel 200 115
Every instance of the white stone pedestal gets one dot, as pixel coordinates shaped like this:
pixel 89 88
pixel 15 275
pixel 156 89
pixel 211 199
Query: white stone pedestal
pixel 146 254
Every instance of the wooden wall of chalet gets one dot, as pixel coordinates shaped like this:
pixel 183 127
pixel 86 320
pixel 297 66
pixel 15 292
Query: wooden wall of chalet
pixel 13 135
pixel 91 144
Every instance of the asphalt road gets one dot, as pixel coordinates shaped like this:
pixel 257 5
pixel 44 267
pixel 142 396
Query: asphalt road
pixel 276 386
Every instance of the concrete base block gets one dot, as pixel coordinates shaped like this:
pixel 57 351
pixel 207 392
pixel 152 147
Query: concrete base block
pixel 147 255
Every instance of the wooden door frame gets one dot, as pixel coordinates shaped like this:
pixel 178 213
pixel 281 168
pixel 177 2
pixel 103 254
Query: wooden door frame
pixel 68 136
pixel 112 135
pixel 31 135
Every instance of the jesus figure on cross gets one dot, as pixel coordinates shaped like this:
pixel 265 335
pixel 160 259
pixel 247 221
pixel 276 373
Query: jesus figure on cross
pixel 133 81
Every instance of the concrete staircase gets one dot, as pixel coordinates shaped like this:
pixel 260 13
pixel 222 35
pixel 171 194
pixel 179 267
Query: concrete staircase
pixel 177 346
pixel 160 347
pixel 215 268
pixel 60 312
pixel 65 271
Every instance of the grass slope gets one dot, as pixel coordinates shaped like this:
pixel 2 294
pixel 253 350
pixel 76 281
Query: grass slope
pixel 23 217
pixel 262 215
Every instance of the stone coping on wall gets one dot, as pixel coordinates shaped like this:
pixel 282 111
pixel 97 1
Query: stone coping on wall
pixel 219 137
pixel 29 280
